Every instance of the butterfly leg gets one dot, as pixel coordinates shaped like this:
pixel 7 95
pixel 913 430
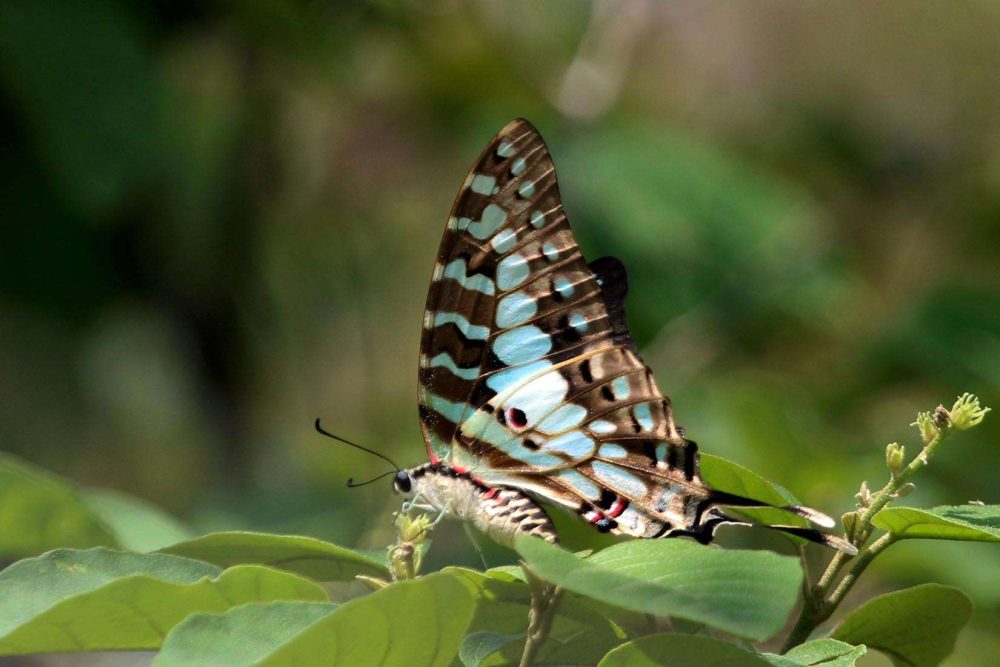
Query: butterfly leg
pixel 444 511
pixel 414 503
pixel 471 534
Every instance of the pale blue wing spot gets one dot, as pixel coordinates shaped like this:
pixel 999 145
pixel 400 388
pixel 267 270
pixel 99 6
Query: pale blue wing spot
pixel 448 409
pixel 619 387
pixel 505 149
pixel 539 396
pixel 578 322
pixel 463 223
pixel 485 428
pixel 517 166
pixel 537 219
pixel 504 240
pixel 470 331
pixel 510 377
pixel 563 418
pixel 584 486
pixel 514 309
pixel 574 444
pixel 563 286
pixel 550 251
pixel 643 416
pixel 456 271
pixel 618 479
pixel 601 426
pixel 512 271
pixel 526 189
pixel 611 450
pixel 521 345
pixel 661 453
pixel 483 184
pixel 493 219
pixel 444 360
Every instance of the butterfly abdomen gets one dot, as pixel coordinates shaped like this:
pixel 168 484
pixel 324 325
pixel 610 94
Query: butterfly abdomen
pixel 502 513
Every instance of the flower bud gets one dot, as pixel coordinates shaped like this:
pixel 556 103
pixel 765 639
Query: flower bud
pixel 928 429
pixel 850 521
pixel 864 496
pixel 895 456
pixel 942 419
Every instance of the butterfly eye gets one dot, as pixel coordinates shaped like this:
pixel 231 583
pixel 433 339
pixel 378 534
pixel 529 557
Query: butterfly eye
pixel 402 482
pixel 516 418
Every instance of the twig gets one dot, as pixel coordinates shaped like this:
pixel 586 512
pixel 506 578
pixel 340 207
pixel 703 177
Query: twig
pixel 545 599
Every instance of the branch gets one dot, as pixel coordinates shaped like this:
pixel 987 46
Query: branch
pixel 819 603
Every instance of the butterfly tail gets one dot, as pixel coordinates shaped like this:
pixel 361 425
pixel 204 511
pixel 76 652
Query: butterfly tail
pixel 716 517
pixel 809 514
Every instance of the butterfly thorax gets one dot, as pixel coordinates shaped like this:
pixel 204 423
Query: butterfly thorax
pixel 501 513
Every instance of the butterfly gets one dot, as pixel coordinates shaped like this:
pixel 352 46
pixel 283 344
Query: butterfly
pixel 530 385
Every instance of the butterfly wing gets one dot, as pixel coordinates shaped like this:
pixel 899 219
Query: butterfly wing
pixel 511 295
pixel 529 377
pixel 527 367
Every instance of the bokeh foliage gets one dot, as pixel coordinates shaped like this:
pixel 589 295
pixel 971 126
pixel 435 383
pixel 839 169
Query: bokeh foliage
pixel 218 220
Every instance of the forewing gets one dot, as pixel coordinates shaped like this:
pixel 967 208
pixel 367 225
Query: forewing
pixel 511 299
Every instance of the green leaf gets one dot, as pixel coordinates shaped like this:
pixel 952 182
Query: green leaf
pixel 39 511
pixel 671 650
pixel 304 555
pixel 747 593
pixel 577 634
pixel 916 627
pixel 478 646
pixel 136 524
pixel 826 652
pixel 239 636
pixel 419 622
pixel 101 599
pixel 734 478
pixel 972 523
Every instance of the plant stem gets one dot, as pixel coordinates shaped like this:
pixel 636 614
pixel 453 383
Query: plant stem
pixel 857 567
pixel 545 599
pixel 817 605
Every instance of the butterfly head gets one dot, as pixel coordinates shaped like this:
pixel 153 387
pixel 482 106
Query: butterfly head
pixel 404 484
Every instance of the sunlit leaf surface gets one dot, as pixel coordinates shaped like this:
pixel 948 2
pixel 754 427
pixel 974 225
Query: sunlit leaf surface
pixel 305 555
pixel 747 593
pixel 239 636
pixel 974 523
pixel 824 652
pixel 675 650
pixel 100 599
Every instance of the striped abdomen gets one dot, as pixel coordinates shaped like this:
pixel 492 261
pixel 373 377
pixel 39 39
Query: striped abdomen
pixel 502 513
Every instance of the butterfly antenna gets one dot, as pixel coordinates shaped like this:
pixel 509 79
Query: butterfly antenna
pixel 320 429
pixel 352 485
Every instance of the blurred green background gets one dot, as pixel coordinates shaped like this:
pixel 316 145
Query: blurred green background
pixel 219 220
